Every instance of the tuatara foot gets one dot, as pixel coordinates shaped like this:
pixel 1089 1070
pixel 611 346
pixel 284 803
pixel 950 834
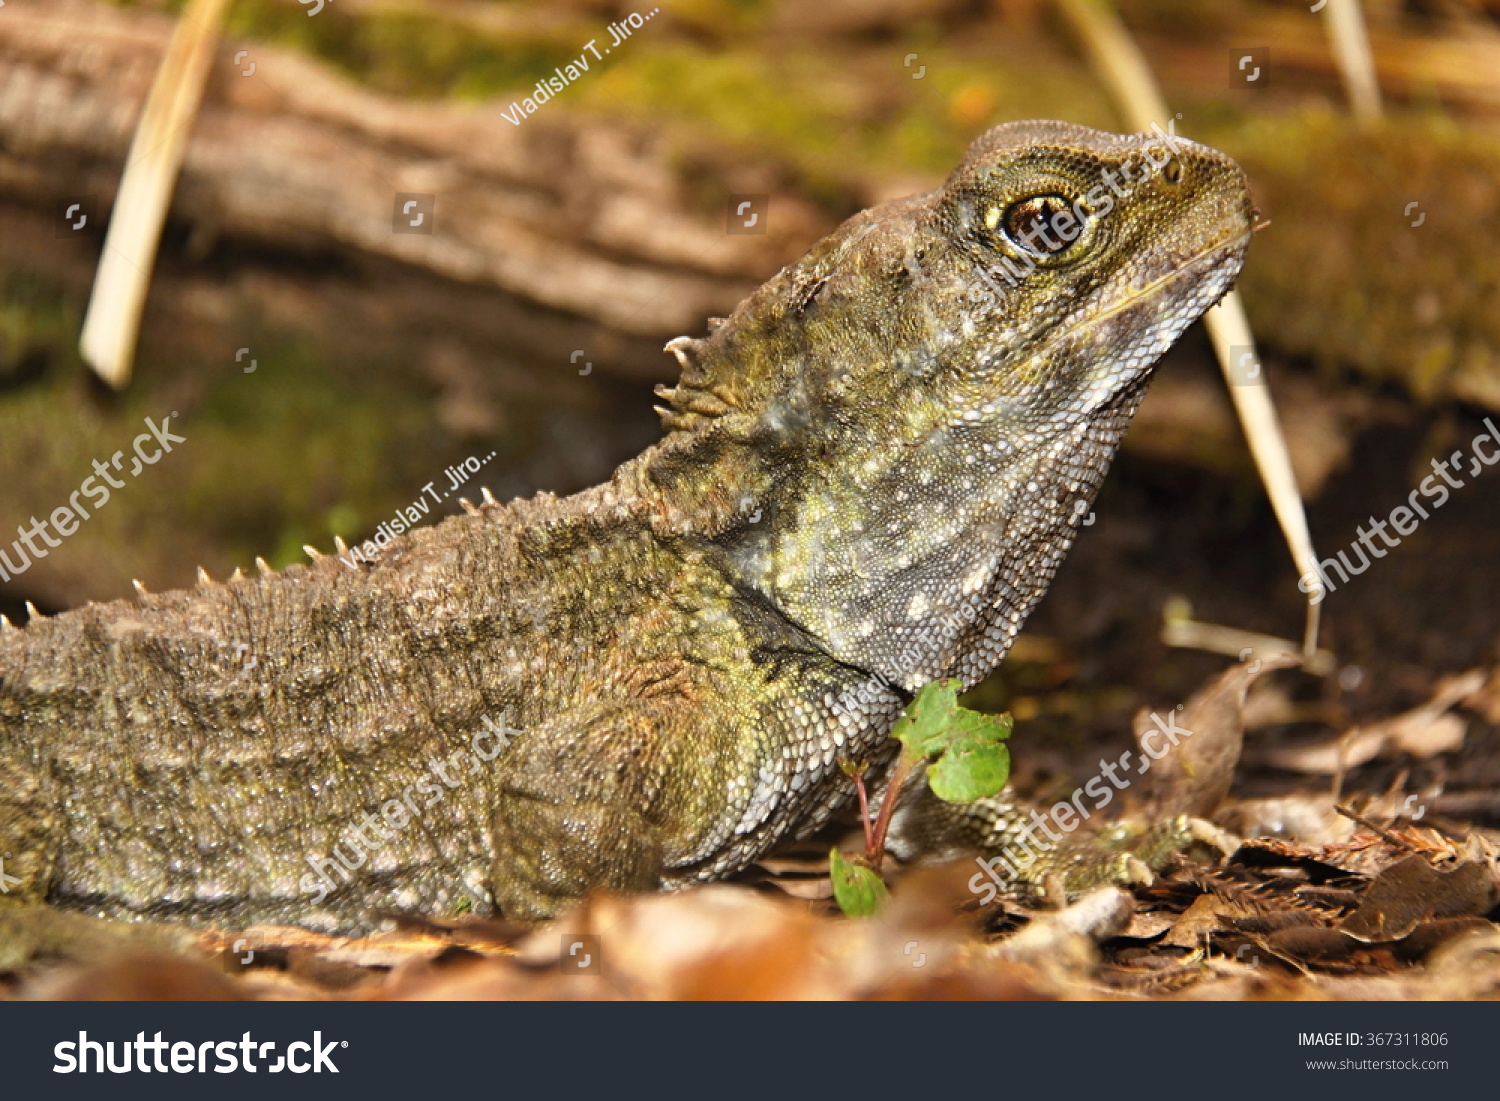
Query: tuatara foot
pixel 1127 855
pixel 1025 855
pixel 1182 834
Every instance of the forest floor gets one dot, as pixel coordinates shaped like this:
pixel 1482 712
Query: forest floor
pixel 1370 789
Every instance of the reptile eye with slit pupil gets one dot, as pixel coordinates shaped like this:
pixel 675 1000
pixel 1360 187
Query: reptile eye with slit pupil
pixel 1043 225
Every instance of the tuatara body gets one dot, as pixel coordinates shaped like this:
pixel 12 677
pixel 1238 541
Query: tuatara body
pixel 870 472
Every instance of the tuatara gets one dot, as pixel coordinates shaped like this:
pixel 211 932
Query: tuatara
pixel 869 474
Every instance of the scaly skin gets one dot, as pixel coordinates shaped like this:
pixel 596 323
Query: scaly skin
pixel 871 472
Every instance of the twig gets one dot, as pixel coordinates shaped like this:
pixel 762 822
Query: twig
pixel 1214 638
pixel 113 320
pixel 1351 51
pixel 1384 834
pixel 864 809
pixel 875 846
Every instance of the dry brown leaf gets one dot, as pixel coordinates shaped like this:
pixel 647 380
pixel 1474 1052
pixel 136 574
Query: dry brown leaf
pixel 1202 919
pixel 1194 774
pixel 1329 754
pixel 1423 731
pixel 813 890
pixel 1149 925
pixel 1486 699
pixel 1412 890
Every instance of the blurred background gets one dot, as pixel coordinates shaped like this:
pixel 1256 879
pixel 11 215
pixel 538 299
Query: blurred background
pixel 325 361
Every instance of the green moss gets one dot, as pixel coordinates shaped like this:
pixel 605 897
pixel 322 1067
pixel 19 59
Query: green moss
pixel 715 75
pixel 271 459
pixel 36 320
pixel 876 121
pixel 1344 277
pixel 423 55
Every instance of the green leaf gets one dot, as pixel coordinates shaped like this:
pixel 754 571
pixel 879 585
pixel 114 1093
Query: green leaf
pixel 923 723
pixel 858 890
pixel 971 763
pixel 973 767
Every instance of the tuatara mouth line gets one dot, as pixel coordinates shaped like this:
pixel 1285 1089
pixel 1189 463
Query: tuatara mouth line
pixel 1225 249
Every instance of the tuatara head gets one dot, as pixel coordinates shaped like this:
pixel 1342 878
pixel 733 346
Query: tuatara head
pixel 922 408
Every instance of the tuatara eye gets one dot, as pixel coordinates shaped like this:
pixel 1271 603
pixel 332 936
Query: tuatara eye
pixel 1043 225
